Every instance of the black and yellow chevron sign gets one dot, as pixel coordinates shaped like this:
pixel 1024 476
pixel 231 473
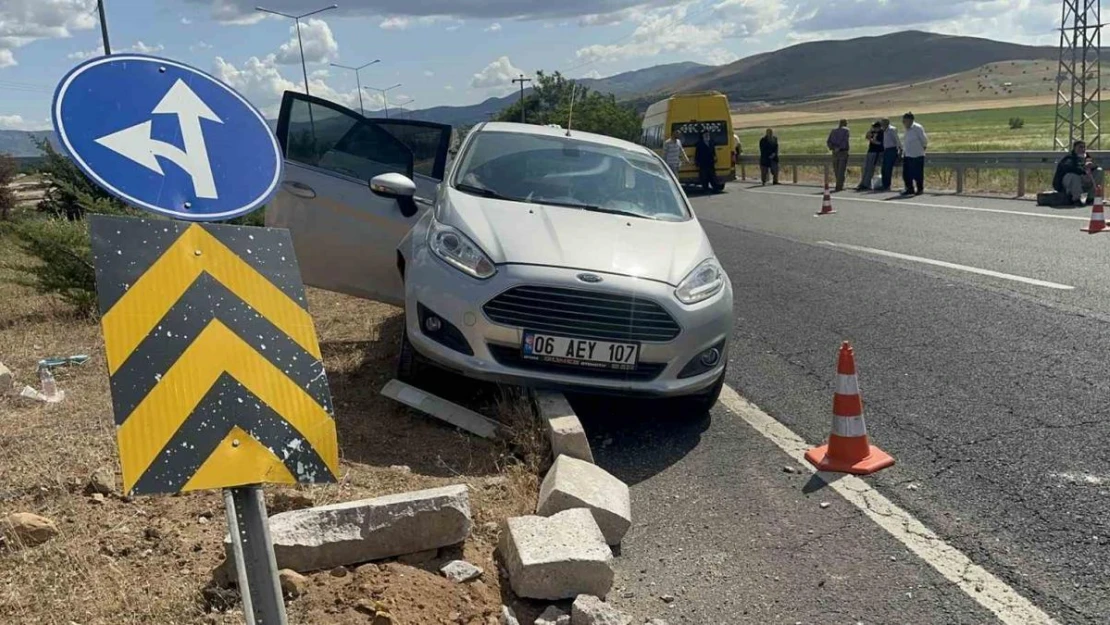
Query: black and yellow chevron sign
pixel 216 374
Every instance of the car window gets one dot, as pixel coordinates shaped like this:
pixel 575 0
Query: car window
pixel 344 143
pixel 428 143
pixel 565 171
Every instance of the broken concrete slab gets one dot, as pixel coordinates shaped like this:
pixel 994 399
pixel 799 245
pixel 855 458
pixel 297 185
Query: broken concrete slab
pixel 456 415
pixel 573 483
pixel 567 435
pixel 590 610
pixel 553 616
pixel 460 571
pixel 6 379
pixel 349 533
pixel 556 557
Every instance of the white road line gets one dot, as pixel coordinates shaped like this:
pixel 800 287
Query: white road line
pixel 904 204
pixel 986 589
pixel 948 265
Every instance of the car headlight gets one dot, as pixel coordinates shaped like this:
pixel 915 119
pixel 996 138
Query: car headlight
pixel 705 281
pixel 457 250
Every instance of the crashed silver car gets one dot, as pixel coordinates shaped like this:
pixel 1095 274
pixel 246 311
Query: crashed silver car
pixel 539 257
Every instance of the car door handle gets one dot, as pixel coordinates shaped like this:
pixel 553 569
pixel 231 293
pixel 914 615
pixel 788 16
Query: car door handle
pixel 299 189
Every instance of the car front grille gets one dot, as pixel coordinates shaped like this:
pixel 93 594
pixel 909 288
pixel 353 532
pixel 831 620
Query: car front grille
pixel 511 357
pixel 582 313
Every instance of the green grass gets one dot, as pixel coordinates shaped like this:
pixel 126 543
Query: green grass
pixel 966 131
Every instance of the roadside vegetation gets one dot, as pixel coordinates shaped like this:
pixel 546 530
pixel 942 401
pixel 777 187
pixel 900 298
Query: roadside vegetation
pixel 550 103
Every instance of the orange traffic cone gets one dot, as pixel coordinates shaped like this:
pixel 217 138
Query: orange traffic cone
pixel 826 202
pixel 848 449
pixel 1098 218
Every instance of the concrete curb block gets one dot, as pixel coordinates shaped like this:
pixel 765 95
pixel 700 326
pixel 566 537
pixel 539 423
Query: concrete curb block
pixel 568 437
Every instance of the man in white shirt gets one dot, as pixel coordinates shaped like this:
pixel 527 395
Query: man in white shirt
pixel 913 156
pixel 673 153
pixel 891 147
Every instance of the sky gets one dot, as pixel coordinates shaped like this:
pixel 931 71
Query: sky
pixel 452 51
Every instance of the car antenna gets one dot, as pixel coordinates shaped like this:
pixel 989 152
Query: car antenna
pixel 570 115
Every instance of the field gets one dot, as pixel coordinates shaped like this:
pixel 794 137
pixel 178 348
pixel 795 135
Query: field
pixel 131 561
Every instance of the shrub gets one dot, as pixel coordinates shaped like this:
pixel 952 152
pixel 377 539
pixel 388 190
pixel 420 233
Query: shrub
pixel 1016 123
pixel 60 261
pixel 8 170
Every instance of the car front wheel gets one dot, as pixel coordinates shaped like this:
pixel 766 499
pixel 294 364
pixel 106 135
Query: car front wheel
pixel 411 366
pixel 700 403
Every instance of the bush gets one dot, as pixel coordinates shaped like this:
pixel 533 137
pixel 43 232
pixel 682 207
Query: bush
pixel 8 170
pixel 1016 123
pixel 61 261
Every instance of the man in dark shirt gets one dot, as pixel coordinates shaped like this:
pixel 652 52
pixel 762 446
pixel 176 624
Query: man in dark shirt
pixel 874 155
pixel 1073 175
pixel 769 156
pixel 839 143
pixel 705 157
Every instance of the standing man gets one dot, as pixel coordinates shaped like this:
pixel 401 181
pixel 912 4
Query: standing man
pixel 891 147
pixel 874 154
pixel 913 156
pixel 838 144
pixel 674 155
pixel 705 157
pixel 769 157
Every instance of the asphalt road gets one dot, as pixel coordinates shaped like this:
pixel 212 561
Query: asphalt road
pixel 991 391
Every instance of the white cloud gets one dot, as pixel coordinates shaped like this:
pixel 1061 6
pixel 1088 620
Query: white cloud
pixel 200 45
pixel 497 75
pixel 448 87
pixel 139 46
pixel 25 21
pixel 395 23
pixel 453 27
pixel 593 73
pixel 82 55
pixel 186 21
pixel 232 11
pixel 16 122
pixel 664 31
pixel 316 37
pixel 494 27
pixel 429 73
pixel 261 81
pixel 143 48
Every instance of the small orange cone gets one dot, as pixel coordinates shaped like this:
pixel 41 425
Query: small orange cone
pixel 1098 218
pixel 826 203
pixel 848 449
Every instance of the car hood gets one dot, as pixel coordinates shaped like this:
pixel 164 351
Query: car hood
pixel 538 234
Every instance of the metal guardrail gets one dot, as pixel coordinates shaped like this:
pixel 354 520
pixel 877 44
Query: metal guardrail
pixel 958 162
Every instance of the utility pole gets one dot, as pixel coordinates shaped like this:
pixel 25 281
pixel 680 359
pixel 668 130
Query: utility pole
pixel 522 80
pixel 103 27
pixel 358 82
pixel 297 19
pixel 1078 80
pixel 385 98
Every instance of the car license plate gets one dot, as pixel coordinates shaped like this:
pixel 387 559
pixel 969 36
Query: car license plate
pixel 580 352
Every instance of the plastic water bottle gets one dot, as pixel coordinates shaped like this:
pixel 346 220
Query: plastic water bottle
pixel 49 386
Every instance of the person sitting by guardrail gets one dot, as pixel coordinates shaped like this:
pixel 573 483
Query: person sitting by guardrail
pixel 1074 175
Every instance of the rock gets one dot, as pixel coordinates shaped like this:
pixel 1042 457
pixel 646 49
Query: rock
pixel 508 617
pixel 6 378
pixel 401 468
pixel 553 616
pixel 590 610
pixel 97 498
pixel 418 558
pixel 825 504
pixel 382 618
pixel 573 483
pixel 284 501
pixel 339 571
pixel 667 598
pixel 370 529
pixel 557 557
pixel 460 571
pixel 656 621
pixel 102 481
pixel 789 469
pixel 29 530
pixel 567 435
pixel 293 584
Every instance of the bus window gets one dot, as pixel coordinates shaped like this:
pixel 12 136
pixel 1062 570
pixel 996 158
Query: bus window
pixel 690 132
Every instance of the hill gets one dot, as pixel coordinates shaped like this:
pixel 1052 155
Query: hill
pixel 821 69
pixel 624 85
pixel 21 143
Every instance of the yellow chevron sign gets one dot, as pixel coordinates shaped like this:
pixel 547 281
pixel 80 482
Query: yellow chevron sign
pixel 216 374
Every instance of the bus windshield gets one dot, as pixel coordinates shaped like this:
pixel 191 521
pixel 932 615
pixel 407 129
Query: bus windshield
pixel 690 132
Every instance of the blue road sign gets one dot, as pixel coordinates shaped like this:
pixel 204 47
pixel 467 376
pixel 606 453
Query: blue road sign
pixel 166 137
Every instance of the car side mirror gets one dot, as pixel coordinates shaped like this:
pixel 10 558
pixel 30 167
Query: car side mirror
pixel 396 187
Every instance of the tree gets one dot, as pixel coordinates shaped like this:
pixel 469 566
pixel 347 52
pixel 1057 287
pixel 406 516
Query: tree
pixel 550 103
pixel 70 193
pixel 8 170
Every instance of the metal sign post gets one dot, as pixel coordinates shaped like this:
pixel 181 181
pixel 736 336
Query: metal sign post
pixel 253 550
pixel 215 367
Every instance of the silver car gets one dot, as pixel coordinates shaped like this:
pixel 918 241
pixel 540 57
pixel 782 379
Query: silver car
pixel 539 257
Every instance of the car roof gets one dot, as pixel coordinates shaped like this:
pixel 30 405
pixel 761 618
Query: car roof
pixel 550 131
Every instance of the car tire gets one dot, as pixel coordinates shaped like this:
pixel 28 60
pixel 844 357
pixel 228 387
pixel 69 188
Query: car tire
pixel 700 404
pixel 411 366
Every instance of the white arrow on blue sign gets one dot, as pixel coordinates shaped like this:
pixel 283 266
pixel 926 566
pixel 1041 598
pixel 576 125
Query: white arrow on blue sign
pixel 166 137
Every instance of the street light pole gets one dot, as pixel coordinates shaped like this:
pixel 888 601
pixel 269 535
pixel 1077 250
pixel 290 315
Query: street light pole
pixel 522 80
pixel 385 98
pixel 358 81
pixel 297 19
pixel 103 27
pixel 402 105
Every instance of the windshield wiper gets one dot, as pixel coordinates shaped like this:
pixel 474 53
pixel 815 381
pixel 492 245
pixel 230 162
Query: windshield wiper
pixel 484 192
pixel 591 208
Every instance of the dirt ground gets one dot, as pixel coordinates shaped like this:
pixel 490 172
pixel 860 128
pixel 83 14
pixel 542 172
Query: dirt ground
pixel 1008 84
pixel 149 559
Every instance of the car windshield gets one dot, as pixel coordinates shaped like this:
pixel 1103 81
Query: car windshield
pixel 564 171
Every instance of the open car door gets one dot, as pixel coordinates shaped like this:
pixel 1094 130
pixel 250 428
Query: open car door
pixel 345 235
